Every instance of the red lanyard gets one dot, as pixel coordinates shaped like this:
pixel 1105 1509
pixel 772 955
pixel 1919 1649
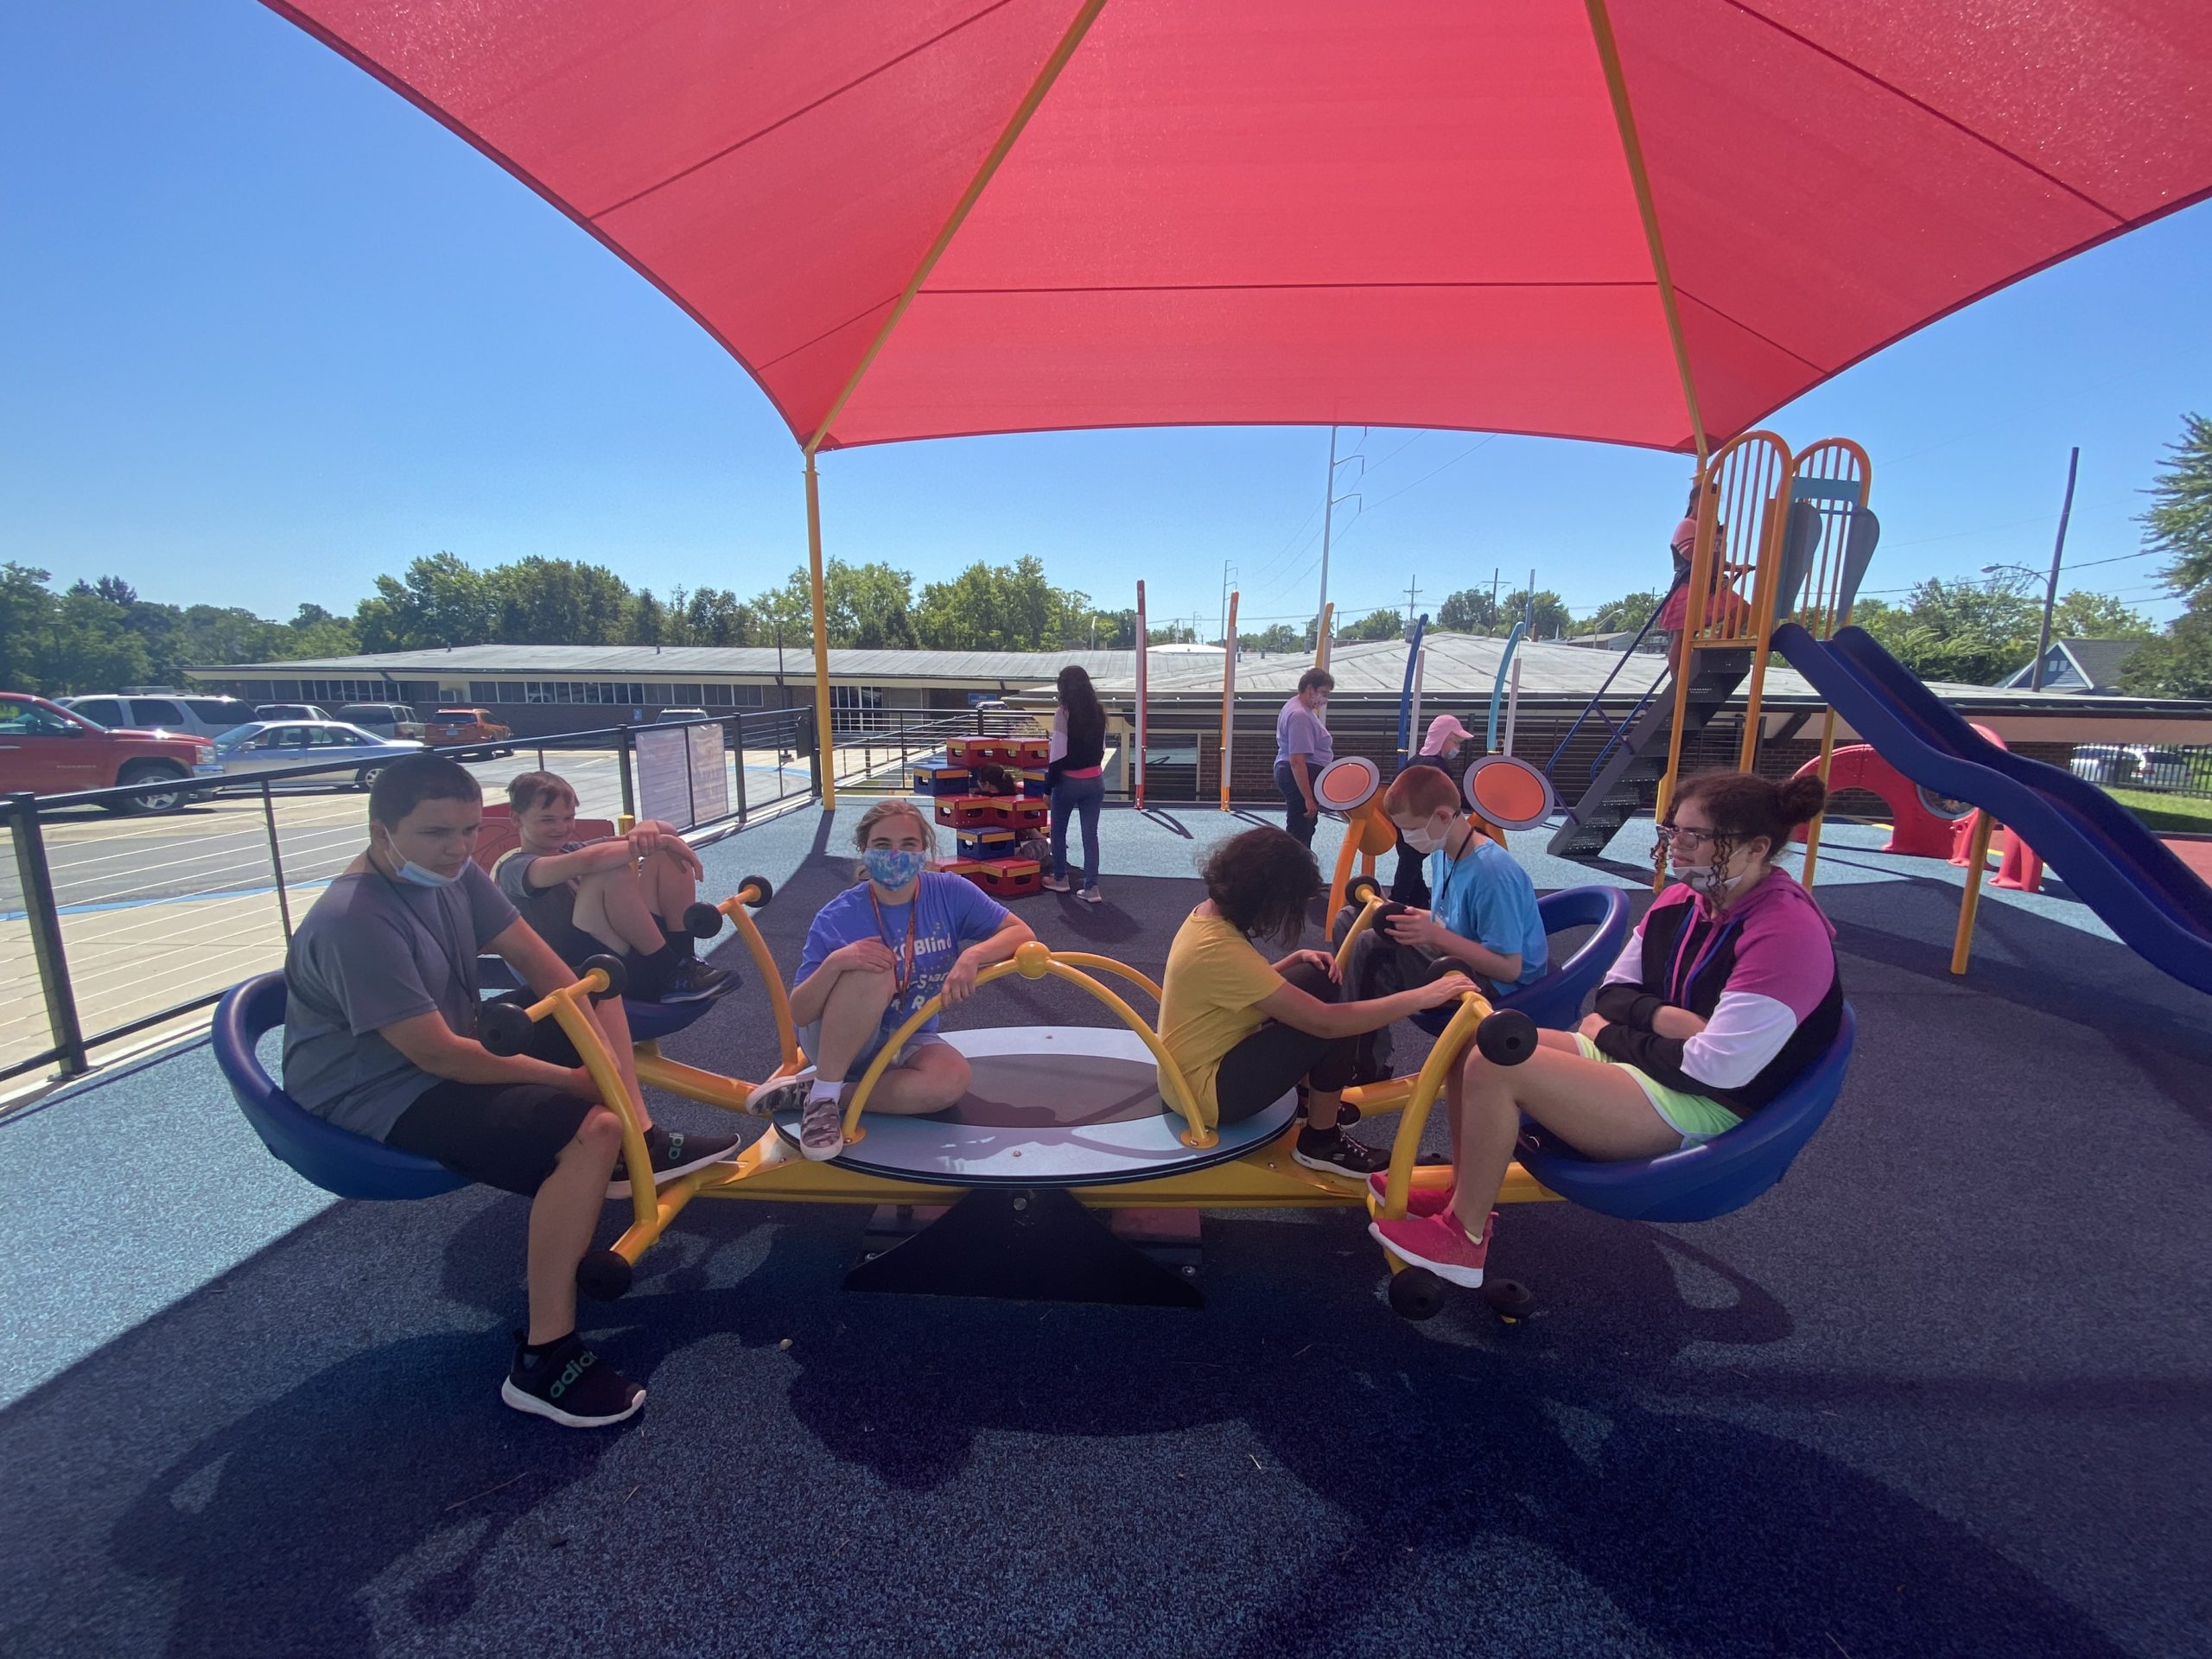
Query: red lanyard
pixel 906 972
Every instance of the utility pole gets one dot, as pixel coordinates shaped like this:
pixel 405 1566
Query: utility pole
pixel 2057 552
pixel 1412 592
pixel 1328 512
pixel 1495 574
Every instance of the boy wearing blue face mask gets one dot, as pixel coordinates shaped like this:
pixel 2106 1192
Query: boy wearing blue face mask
pixel 381 1000
pixel 876 953
pixel 1483 920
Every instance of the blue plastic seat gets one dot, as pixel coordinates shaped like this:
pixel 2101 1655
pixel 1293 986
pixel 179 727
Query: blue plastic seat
pixel 649 1022
pixel 337 1160
pixel 1556 999
pixel 1713 1177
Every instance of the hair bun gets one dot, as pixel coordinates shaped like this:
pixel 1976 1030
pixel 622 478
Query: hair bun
pixel 1801 799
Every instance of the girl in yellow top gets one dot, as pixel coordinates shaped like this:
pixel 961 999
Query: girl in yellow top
pixel 1244 1030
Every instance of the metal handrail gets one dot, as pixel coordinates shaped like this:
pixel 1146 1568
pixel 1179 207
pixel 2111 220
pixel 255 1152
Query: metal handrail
pixel 25 812
pixel 1597 696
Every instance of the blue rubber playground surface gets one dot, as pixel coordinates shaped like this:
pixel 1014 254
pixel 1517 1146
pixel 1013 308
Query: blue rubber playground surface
pixel 1947 1390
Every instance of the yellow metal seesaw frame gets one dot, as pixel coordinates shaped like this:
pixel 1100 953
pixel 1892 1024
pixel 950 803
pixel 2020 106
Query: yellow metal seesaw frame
pixel 770 1170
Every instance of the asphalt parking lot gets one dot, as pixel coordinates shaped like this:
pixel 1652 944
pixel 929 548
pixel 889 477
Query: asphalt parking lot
pixel 158 910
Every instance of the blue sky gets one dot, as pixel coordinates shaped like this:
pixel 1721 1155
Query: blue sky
pixel 271 332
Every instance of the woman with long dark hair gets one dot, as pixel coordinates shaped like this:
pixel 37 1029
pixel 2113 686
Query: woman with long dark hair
pixel 1076 770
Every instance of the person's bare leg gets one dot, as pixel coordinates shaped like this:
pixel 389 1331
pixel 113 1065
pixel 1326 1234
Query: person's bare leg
pixel 1598 1108
pixel 614 1020
pixel 562 1218
pixel 1321 1107
pixel 850 1019
pixel 611 908
pixel 936 1077
pixel 669 889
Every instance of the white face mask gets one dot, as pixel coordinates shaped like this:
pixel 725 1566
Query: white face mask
pixel 1708 879
pixel 1425 839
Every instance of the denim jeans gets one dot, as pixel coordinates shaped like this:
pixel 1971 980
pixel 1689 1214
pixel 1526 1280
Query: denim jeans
pixel 1084 796
pixel 1296 819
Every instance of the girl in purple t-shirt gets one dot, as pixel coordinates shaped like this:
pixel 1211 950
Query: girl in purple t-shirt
pixel 875 954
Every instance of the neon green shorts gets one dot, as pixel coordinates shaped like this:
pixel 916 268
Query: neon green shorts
pixel 1695 1117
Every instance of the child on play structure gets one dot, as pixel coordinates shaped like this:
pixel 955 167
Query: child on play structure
pixel 1244 1030
pixel 624 894
pixel 875 954
pixel 1726 991
pixel 380 1037
pixel 1483 922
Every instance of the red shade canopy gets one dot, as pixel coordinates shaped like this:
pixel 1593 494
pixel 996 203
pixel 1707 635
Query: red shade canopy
pixel 1417 212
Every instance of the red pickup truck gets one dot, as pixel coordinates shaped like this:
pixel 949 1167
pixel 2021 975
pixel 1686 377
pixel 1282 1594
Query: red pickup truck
pixel 47 750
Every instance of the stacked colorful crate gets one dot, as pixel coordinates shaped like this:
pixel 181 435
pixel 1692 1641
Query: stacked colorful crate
pixel 1009 878
pixel 950 778
pixel 967 811
pixel 985 843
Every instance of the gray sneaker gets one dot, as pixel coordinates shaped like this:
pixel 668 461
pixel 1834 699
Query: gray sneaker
pixel 822 1128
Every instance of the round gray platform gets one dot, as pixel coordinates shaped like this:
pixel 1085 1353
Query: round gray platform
pixel 1049 1106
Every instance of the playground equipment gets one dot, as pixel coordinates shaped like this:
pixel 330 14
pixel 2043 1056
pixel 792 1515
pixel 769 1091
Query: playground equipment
pixel 1917 830
pixel 1502 792
pixel 1714 1177
pixel 1022 1166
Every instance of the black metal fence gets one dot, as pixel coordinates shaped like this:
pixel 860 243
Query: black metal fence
pixel 114 921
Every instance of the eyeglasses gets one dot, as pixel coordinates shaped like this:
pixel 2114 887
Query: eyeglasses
pixel 1689 840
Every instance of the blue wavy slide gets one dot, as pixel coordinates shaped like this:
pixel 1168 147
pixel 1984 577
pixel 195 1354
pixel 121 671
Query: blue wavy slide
pixel 2153 901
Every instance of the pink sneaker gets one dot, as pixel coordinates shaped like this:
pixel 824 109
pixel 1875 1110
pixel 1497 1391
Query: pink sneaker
pixel 1439 1244
pixel 1420 1201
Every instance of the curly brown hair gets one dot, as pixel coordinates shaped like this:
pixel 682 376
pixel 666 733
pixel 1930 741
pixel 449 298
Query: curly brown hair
pixel 1261 881
pixel 1745 807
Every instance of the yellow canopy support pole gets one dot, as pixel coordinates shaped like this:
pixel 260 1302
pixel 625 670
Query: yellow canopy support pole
pixel 1601 28
pixel 824 744
pixel 1970 902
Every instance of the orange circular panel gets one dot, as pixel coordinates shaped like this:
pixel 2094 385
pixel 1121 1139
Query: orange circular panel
pixel 1509 793
pixel 1346 786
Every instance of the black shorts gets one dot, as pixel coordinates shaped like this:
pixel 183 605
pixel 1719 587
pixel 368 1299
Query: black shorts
pixel 504 1135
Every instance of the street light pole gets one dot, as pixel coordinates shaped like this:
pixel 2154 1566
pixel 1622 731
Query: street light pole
pixel 2050 591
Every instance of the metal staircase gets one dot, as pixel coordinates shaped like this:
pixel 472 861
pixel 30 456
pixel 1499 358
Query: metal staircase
pixel 1634 758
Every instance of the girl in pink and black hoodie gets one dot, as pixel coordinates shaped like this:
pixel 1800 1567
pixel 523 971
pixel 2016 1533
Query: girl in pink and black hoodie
pixel 1726 991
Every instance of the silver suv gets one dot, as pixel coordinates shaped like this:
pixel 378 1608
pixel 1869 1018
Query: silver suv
pixel 198 716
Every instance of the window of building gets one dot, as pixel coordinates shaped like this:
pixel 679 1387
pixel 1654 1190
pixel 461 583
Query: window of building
pixel 686 696
pixel 855 708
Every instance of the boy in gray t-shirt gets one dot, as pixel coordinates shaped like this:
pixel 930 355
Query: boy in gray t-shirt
pixel 380 1027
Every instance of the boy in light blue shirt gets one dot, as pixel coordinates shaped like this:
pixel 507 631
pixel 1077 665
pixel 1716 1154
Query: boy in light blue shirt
pixel 1483 919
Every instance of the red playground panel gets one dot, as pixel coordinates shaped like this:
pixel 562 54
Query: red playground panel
pixel 1023 812
pixel 967 811
pixel 1915 831
pixel 1031 751
pixel 1009 878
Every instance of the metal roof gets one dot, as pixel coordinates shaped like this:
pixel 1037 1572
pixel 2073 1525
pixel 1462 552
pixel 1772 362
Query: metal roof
pixel 677 661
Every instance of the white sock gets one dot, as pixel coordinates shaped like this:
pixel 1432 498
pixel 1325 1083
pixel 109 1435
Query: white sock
pixel 824 1090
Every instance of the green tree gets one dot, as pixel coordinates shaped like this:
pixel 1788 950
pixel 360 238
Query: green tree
pixel 2084 615
pixel 1177 633
pixel 1549 610
pixel 2177 663
pixel 2178 522
pixel 1621 615
pixel 540 602
pixel 1970 633
pixel 1470 610
pixel 440 601
pixel 1280 636
pixel 25 619
pixel 1002 607
pixel 1375 624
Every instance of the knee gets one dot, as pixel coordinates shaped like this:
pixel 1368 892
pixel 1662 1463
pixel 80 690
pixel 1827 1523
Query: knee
pixel 600 1133
pixel 601 882
pixel 876 985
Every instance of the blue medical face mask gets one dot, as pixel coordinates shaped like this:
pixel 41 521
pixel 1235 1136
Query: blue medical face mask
pixel 891 870
pixel 409 871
